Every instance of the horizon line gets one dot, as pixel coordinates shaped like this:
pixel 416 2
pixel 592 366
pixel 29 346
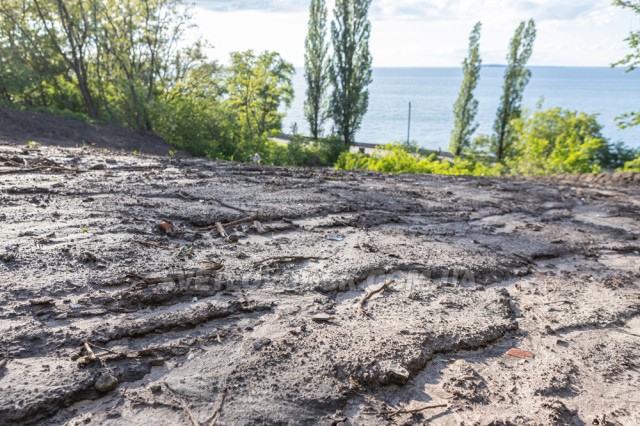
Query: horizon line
pixel 489 66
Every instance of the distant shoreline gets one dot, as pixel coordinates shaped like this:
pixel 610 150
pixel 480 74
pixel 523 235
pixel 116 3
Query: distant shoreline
pixel 452 67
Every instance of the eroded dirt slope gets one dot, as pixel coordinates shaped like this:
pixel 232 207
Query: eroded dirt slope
pixel 20 127
pixel 346 298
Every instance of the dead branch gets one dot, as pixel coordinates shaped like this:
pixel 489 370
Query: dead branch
pixel 177 277
pixel 216 413
pixel 626 332
pixel 288 259
pixel 251 218
pixel 9 161
pixel 22 170
pixel 41 168
pixel 127 354
pixel 90 357
pixel 139 400
pixel 223 204
pixel 101 348
pixel 149 244
pixel 184 406
pixel 221 230
pixel 372 293
pixel 259 227
pixel 398 411
pixel 186 196
pixel 525 258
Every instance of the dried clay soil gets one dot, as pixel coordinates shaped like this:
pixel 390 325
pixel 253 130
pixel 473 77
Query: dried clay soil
pixel 342 298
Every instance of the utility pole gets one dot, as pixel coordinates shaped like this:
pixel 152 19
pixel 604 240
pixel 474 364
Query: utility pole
pixel 409 126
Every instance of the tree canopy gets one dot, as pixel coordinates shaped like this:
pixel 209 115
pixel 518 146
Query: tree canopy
pixel 631 61
pixel 351 71
pixel 466 106
pixel 127 62
pixel 316 68
pixel 516 78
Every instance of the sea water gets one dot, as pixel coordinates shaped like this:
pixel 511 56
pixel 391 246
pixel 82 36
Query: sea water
pixel 608 92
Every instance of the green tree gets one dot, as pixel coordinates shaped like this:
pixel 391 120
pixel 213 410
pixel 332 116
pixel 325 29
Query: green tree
pixel 516 78
pixel 631 61
pixel 316 68
pixel 45 64
pixel 140 39
pixel 194 115
pixel 109 59
pixel 351 67
pixel 258 86
pixel 466 107
pixel 557 141
pixel 71 38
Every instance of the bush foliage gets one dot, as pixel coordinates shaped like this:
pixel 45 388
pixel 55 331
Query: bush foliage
pixel 554 141
pixel 632 166
pixel 395 158
pixel 557 141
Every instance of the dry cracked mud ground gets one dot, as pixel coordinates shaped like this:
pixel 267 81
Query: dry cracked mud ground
pixel 348 298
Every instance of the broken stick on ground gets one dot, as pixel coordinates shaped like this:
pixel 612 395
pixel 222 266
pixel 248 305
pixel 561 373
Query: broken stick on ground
pixel 251 218
pixel 90 357
pixel 174 278
pixel 216 413
pixel 288 259
pixel 399 411
pixel 185 407
pixel 221 230
pixel 372 293
pixel 220 227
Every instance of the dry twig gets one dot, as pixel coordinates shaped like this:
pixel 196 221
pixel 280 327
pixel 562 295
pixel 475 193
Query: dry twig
pixel 223 204
pixel 184 406
pixel 398 411
pixel 217 225
pixel 251 218
pixel 91 357
pixel 372 293
pixel 259 227
pixel 216 413
pixel 149 244
pixel 288 259
pixel 101 348
pixel 221 230
pixel 176 277
pixel 626 332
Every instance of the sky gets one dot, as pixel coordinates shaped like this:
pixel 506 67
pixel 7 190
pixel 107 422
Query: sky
pixel 429 33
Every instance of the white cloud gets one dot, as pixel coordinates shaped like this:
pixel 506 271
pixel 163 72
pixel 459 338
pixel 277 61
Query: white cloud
pixel 429 9
pixel 430 32
pixel 262 5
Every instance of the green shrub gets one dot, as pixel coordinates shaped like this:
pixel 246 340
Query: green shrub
pixel 395 158
pixel 558 141
pixel 615 156
pixel 302 152
pixel 632 166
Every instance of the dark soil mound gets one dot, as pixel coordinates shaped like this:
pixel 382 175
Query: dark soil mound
pixel 20 127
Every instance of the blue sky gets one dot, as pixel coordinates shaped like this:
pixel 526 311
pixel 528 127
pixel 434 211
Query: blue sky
pixel 429 32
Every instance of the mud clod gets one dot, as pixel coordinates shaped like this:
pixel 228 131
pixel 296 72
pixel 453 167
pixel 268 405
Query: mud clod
pixel 106 383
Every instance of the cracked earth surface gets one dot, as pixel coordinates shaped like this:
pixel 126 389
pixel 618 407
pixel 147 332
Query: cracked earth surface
pixel 353 298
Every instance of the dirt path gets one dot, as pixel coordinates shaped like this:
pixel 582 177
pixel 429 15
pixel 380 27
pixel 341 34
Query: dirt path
pixel 355 299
